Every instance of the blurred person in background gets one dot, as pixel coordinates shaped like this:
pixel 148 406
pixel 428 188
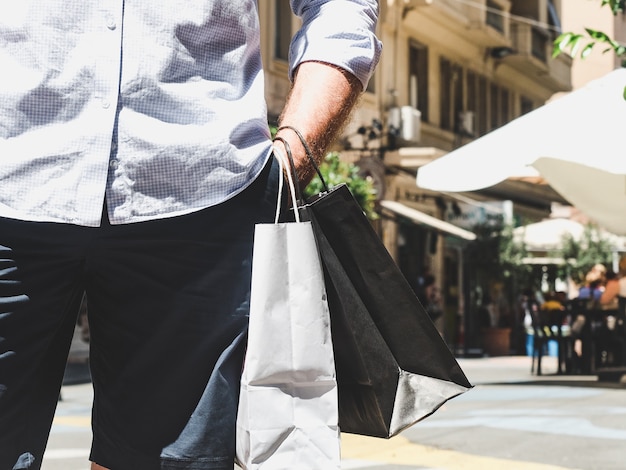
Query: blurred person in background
pixel 615 288
pixel 612 336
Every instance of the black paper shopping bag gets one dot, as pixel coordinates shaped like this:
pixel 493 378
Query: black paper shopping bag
pixel 393 367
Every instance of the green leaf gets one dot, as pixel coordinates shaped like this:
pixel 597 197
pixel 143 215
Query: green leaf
pixel 598 35
pixel 624 93
pixel 616 6
pixel 560 43
pixel 563 40
pixel 574 45
pixel 587 50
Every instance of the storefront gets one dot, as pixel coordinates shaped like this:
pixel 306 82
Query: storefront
pixel 424 245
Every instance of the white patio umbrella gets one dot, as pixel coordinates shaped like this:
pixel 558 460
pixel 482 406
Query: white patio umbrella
pixel 576 143
pixel 549 234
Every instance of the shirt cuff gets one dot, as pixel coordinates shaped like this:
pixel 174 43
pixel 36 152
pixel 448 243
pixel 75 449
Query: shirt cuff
pixel 337 32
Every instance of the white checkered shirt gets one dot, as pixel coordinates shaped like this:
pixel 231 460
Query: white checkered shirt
pixel 157 103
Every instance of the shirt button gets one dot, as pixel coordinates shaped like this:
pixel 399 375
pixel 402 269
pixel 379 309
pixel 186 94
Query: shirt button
pixel 111 24
pixel 105 104
pixel 114 163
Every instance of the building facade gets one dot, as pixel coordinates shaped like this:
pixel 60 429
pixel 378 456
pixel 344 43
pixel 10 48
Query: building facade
pixel 451 71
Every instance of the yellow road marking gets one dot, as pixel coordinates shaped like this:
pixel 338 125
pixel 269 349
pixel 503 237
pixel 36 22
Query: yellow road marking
pixel 400 451
pixel 80 421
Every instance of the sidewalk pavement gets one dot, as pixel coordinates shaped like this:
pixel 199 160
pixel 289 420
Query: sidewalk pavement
pixel 517 370
pixel 489 375
pixel 512 419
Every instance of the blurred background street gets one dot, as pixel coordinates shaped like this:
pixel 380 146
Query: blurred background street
pixel 512 419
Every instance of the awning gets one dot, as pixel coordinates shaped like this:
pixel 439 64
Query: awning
pixel 425 219
pixel 412 157
pixel 581 159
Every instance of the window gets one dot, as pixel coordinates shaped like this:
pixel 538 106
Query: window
pixel 495 16
pixel 505 108
pixel 499 106
pixel 459 92
pixel 483 114
pixel 418 78
pixel 539 44
pixel 494 104
pixel 553 19
pixel 472 92
pixel 445 96
pixel 451 94
pixel 477 101
pixel 467 90
pixel 282 39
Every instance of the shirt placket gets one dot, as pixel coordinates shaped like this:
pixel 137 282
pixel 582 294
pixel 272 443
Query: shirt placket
pixel 107 50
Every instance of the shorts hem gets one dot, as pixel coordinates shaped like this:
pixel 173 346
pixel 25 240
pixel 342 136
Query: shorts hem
pixel 171 464
pixel 205 464
pixel 131 460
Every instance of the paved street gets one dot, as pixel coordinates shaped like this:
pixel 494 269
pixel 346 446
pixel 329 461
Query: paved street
pixel 510 420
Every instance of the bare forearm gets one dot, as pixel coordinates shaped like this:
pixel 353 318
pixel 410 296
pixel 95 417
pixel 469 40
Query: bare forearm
pixel 318 105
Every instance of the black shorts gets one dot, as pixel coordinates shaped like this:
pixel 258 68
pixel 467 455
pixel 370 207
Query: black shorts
pixel 168 308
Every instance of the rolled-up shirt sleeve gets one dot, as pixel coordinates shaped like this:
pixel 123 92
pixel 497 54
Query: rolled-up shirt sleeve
pixel 337 32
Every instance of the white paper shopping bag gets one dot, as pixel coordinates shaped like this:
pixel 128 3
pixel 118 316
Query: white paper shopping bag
pixel 288 416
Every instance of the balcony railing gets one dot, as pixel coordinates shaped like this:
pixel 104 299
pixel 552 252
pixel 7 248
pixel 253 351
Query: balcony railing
pixel 490 19
pixel 533 47
pixel 530 41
